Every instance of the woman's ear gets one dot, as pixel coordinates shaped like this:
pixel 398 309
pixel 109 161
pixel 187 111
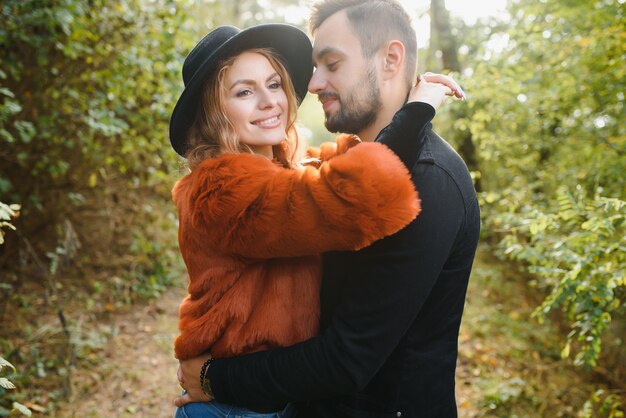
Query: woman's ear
pixel 393 59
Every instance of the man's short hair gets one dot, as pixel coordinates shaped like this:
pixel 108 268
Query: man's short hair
pixel 374 22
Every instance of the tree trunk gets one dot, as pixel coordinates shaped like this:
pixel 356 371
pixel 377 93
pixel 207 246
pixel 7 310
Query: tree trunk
pixel 443 42
pixel 441 37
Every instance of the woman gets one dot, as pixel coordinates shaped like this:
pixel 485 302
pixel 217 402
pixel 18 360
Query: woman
pixel 252 220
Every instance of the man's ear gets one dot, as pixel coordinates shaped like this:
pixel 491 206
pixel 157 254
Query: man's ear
pixel 393 59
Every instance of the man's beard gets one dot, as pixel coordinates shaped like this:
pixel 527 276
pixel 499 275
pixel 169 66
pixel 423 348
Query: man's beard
pixel 357 112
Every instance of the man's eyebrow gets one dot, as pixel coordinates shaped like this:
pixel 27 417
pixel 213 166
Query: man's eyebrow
pixel 246 81
pixel 317 56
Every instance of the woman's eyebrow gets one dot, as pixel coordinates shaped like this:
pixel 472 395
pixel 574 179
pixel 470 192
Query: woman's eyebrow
pixel 250 82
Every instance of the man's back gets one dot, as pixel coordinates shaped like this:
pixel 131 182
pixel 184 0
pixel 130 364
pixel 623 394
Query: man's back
pixel 407 291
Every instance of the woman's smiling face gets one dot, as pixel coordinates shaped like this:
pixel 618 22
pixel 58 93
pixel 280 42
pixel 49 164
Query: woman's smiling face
pixel 256 103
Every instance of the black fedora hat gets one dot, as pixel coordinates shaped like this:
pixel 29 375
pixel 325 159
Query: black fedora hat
pixel 291 44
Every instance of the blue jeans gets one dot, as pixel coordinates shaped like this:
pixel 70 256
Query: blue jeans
pixel 216 409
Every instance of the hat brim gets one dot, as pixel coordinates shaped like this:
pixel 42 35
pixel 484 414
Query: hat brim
pixel 292 45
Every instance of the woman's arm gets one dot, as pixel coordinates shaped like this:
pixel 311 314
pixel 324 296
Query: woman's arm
pixel 248 206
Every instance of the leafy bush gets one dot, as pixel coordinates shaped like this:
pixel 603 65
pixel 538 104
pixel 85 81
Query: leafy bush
pixel 545 111
pixel 86 89
pixel 579 251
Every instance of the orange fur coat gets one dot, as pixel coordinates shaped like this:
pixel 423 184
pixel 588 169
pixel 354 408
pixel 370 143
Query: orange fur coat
pixel 250 234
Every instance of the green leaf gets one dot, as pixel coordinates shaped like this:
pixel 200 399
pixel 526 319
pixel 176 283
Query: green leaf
pixel 6 383
pixel 4 363
pixel 565 351
pixel 6 92
pixel 21 408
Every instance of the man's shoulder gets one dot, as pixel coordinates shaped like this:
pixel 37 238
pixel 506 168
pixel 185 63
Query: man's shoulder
pixel 437 153
pixel 436 150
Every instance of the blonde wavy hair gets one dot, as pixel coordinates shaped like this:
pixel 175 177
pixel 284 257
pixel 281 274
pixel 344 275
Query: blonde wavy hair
pixel 213 134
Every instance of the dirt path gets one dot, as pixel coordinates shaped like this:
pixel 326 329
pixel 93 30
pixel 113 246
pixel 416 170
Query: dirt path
pixel 137 376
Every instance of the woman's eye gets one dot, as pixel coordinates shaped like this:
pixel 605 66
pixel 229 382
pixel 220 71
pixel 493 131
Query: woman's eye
pixel 243 93
pixel 275 85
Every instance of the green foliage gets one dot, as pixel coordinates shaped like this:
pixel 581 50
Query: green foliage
pixel 545 110
pixel 510 367
pixel 603 404
pixel 578 253
pixel 7 213
pixel 500 397
pixel 87 90
pixel 151 279
pixel 6 404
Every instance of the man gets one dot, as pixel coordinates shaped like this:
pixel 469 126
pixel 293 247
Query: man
pixel 390 313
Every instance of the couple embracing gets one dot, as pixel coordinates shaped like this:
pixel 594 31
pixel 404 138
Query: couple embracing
pixel 331 286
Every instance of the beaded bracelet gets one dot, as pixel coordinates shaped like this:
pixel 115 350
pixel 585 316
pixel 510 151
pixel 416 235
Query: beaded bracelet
pixel 205 384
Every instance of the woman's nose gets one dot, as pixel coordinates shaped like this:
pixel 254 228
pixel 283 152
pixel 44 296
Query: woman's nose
pixel 266 99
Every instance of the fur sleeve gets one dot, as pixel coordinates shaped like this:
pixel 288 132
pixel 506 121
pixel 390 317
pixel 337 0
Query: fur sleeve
pixel 248 206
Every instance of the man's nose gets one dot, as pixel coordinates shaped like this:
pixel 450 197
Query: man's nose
pixel 317 82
